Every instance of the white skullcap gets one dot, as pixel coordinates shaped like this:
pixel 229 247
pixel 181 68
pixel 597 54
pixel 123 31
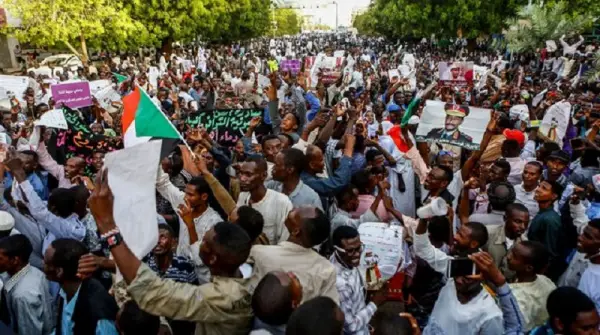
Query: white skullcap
pixel 7 222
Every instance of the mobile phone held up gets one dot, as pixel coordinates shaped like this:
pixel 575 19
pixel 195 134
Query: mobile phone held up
pixel 460 267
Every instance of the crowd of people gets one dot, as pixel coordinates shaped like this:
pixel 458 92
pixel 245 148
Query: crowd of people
pixel 263 237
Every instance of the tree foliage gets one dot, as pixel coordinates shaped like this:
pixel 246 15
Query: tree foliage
pixel 365 23
pixel 287 22
pixel 127 24
pixel 181 20
pixel 241 19
pixel 412 18
pixel 67 22
pixel 536 24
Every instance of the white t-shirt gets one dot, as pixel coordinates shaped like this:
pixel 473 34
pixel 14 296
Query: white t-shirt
pixel 274 208
pixel 590 284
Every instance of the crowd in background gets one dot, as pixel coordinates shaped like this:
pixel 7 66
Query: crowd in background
pixel 262 237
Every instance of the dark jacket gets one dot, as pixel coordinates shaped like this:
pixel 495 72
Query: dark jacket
pixel 93 304
pixel 457 136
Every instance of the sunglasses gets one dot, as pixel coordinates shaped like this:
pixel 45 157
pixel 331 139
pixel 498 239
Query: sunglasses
pixel 358 249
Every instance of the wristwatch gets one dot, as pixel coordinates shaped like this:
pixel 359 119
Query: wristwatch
pixel 114 240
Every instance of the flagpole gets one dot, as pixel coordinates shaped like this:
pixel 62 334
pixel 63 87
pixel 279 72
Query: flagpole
pixel 168 121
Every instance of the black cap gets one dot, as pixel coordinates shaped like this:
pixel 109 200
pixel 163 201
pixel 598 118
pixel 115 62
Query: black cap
pixel 560 155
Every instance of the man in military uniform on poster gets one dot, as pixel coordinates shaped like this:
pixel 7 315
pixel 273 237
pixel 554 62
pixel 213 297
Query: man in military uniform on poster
pixel 455 115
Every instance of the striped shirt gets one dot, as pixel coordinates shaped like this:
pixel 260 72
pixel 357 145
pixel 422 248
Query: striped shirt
pixel 181 269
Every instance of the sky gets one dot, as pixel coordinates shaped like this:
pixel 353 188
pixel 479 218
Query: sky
pixel 326 13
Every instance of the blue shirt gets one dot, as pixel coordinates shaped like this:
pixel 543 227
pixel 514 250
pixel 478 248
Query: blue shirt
pixel 329 187
pixel 104 327
pixel 315 105
pixel 36 181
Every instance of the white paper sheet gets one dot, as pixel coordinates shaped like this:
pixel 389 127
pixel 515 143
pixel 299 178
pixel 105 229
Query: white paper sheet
pixel 382 245
pixel 106 96
pixel 132 179
pixel 14 85
pixel 98 85
pixel 263 81
pixel 556 120
pixel 393 73
pixel 53 119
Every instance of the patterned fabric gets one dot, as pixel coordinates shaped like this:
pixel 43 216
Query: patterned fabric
pixel 352 293
pixel 91 239
pixel 181 269
pixel 162 205
pixel 330 152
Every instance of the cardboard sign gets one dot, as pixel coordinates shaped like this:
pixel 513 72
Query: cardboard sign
pixel 226 126
pixel 72 95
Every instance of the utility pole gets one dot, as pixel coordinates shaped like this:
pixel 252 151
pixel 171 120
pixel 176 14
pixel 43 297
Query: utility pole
pixel 336 15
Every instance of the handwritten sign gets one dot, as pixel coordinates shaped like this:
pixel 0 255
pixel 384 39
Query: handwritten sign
pixel 73 95
pixel 79 141
pixel 226 126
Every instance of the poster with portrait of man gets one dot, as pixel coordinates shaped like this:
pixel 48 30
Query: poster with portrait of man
pixel 454 124
pixel 456 73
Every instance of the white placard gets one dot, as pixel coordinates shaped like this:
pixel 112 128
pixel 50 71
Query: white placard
pixel 555 122
pixel 263 81
pixel 106 96
pixel 132 179
pixel 54 119
pixel 98 85
pixel 339 53
pixel 393 73
pixel 328 63
pixel 14 85
pixel 383 246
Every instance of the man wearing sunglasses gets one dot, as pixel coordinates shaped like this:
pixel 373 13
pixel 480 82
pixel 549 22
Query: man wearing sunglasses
pixel 351 288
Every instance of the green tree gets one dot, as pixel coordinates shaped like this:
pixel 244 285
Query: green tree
pixel 181 20
pixel 536 24
pixel 411 18
pixel 242 19
pixel 287 22
pixel 74 22
pixel 365 23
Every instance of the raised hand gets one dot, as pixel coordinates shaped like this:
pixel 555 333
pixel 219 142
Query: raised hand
pixel 185 212
pixel 488 269
pixel 255 122
pixel 101 203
